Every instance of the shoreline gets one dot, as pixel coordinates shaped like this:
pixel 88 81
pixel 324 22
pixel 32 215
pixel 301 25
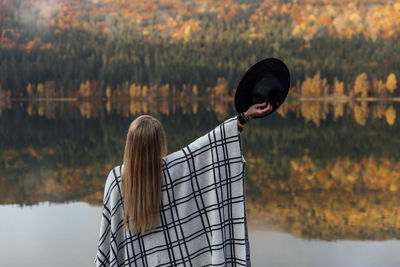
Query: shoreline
pixel 328 99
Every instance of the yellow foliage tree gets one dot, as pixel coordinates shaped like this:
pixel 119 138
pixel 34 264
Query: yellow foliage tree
pixel 152 92
pixel 314 86
pixel 164 91
pixel 40 89
pixel 84 89
pixel 391 83
pixel 338 87
pixel 134 91
pixel 379 87
pixel 29 90
pixel 195 91
pixel 144 91
pixel 361 85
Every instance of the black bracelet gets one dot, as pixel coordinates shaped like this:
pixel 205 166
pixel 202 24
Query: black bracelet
pixel 244 115
pixel 242 118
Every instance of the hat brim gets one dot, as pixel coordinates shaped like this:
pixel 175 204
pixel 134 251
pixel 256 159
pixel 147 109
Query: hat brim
pixel 270 66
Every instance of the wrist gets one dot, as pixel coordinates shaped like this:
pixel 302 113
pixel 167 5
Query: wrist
pixel 248 117
pixel 242 119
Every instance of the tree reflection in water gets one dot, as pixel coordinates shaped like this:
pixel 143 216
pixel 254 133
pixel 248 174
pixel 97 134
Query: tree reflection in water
pixel 316 170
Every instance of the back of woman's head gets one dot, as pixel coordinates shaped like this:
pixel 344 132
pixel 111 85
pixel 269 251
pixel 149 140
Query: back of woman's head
pixel 141 174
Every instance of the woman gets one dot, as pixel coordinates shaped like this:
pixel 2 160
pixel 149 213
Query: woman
pixel 184 209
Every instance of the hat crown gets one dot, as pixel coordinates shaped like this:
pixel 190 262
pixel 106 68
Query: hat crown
pixel 266 81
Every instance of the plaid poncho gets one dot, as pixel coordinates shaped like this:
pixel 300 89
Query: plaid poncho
pixel 202 218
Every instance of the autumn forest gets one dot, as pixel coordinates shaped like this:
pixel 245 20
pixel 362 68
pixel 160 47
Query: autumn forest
pixel 184 49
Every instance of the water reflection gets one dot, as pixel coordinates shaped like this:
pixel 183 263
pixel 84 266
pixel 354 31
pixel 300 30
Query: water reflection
pixel 315 170
pixel 67 234
pixel 327 215
pixel 49 235
pixel 284 250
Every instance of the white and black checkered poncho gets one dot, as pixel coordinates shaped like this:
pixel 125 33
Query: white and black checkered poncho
pixel 202 219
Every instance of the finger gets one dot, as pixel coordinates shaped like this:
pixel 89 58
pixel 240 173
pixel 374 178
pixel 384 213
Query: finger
pixel 257 106
pixel 267 109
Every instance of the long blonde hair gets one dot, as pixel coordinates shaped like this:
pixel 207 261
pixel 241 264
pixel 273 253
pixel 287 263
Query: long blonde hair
pixel 141 174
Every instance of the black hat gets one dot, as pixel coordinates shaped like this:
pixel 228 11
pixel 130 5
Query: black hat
pixel 266 81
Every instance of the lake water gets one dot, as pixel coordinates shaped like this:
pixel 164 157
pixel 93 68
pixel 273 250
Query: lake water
pixel 322 180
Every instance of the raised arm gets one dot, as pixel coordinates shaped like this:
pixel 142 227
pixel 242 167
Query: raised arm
pixel 256 110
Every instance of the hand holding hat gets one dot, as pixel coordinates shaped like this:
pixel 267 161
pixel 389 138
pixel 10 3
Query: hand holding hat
pixel 258 110
pixel 263 88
